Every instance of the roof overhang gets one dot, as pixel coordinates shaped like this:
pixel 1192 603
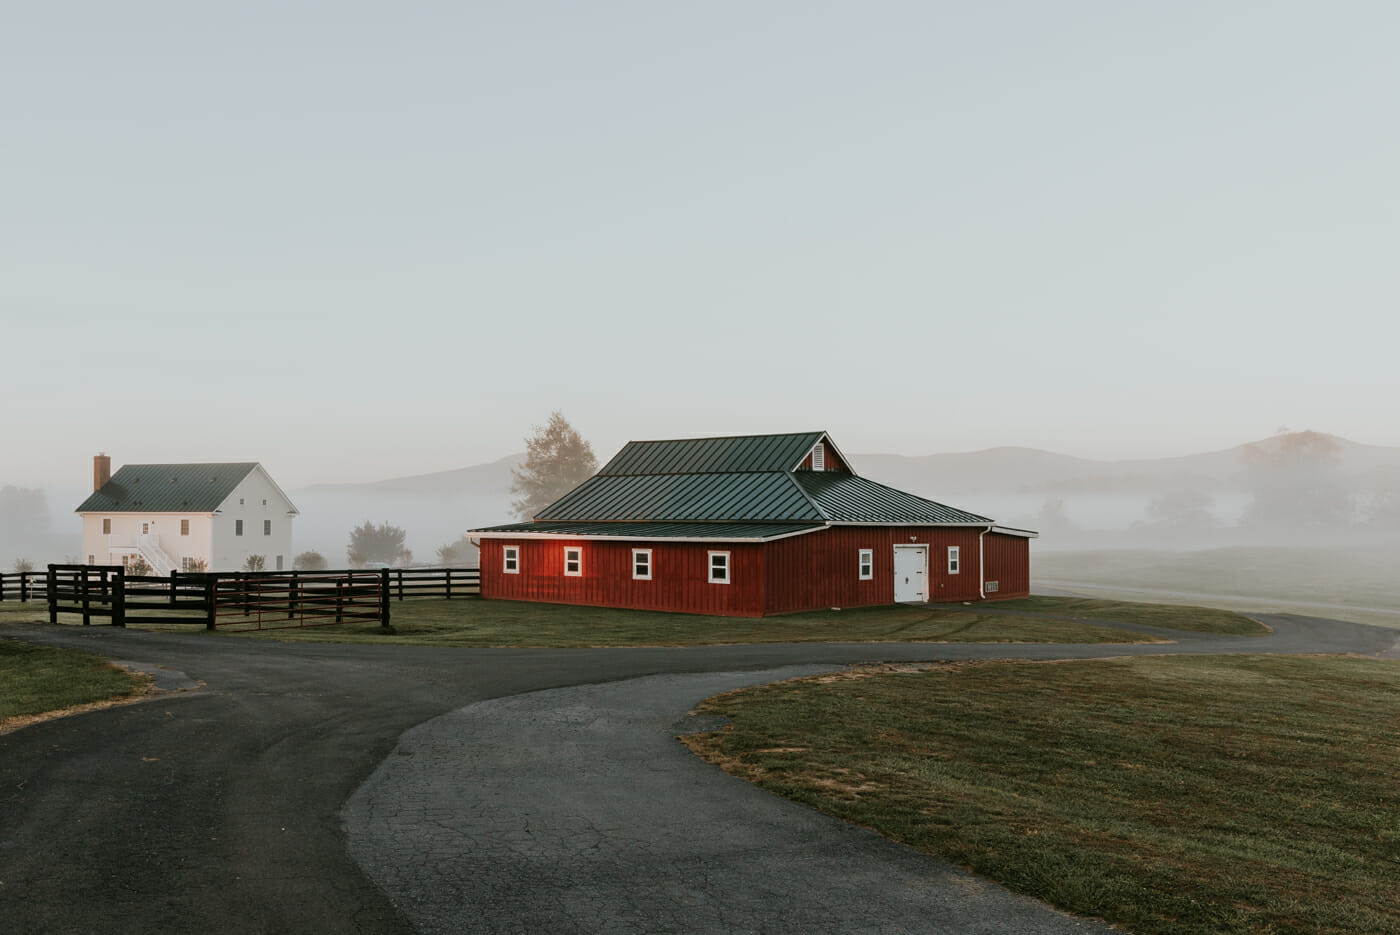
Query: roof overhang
pixel 633 536
pixel 1013 531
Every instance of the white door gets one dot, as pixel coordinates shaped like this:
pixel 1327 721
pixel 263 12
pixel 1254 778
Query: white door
pixel 910 567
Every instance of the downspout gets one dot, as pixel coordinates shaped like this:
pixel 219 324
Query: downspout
pixel 981 567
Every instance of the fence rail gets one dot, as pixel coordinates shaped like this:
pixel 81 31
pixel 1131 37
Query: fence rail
pixel 404 582
pixel 261 600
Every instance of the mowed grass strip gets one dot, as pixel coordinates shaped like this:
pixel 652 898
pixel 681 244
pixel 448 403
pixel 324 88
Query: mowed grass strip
pixel 1198 794
pixel 36 680
pixel 479 623
pixel 1172 616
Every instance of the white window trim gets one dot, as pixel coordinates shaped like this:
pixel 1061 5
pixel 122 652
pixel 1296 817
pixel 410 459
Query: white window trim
pixel 710 559
pixel 954 559
pixel 635 553
pixel 578 560
pixel 866 564
pixel 510 554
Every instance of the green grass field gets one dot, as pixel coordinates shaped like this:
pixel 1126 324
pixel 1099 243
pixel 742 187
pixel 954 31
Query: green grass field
pixel 471 622
pixel 1164 794
pixel 35 680
pixel 518 624
pixel 1345 583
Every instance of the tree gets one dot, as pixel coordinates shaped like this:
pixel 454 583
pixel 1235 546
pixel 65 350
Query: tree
pixel 255 563
pixel 1297 484
pixel 1182 508
pixel 138 566
pixel 461 552
pixel 557 460
pixel 381 543
pixel 309 560
pixel 23 566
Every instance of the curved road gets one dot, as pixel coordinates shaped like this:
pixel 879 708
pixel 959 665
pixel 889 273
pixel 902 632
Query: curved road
pixel 293 788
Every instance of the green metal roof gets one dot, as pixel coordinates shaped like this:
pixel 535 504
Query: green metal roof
pixel 167 488
pixel 846 498
pixel 711 532
pixel 769 496
pixel 732 454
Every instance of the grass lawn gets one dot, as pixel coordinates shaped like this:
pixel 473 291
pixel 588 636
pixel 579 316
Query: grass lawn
pixel 38 679
pixel 1196 794
pixel 1358 582
pixel 1172 616
pixel 518 624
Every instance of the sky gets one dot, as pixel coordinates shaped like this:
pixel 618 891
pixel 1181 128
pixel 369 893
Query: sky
pixel 360 240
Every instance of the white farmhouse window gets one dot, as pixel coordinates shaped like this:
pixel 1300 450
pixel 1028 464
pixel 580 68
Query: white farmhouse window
pixel 719 568
pixel 867 564
pixel 511 560
pixel 184 527
pixel 238 527
pixel 267 527
pixel 106 526
pixel 641 564
pixel 952 560
pixel 573 562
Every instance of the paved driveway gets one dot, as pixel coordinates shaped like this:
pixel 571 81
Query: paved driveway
pixel 300 788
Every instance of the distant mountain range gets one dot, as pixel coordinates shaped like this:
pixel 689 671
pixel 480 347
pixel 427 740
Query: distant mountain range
pixel 993 470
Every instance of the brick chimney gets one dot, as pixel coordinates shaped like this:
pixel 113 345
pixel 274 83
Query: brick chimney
pixel 101 471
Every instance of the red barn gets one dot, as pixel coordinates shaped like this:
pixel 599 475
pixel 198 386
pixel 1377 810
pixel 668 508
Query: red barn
pixel 748 526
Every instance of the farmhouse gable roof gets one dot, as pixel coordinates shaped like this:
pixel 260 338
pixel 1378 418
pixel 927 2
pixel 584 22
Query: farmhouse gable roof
pixel 172 488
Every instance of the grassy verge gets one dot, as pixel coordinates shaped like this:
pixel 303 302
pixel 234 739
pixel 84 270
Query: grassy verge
pixel 1172 616
pixel 518 624
pixel 36 680
pixel 1357 583
pixel 1164 794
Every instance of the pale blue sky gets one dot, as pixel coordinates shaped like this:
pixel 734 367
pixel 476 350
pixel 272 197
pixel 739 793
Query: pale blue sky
pixel 359 240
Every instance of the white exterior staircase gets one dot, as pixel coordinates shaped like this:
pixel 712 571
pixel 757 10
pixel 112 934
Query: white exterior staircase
pixel 161 563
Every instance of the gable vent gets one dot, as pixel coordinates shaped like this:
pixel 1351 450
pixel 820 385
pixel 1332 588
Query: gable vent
pixel 819 457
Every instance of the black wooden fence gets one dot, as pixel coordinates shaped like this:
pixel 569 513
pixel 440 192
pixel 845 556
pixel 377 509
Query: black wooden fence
pixel 260 600
pixel 404 582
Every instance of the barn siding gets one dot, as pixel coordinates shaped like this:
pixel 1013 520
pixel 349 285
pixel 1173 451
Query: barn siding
pixel 1008 560
pixel 679 577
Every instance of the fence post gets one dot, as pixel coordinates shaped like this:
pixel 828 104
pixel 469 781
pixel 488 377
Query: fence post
pixel 293 596
pixel 119 600
pixel 174 575
pixel 211 598
pixel 51 587
pixel 449 583
pixel 23 587
pixel 400 583
pixel 340 602
pixel 384 597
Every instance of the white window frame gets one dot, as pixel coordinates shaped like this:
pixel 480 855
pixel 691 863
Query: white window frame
pixel 725 564
pixel 954 559
pixel 184 527
pixel 577 561
pixel 106 525
pixel 238 527
pixel 819 457
pixel 510 560
pixel 867 564
pixel 646 560
pixel 267 527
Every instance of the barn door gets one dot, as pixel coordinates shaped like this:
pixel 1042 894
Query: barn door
pixel 910 572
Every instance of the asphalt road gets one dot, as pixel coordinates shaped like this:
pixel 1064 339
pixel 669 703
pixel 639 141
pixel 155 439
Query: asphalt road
pixel 296 788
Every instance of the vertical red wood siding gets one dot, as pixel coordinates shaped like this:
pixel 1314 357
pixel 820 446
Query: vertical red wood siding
pixel 679 575
pixel 815 571
pixel 1008 560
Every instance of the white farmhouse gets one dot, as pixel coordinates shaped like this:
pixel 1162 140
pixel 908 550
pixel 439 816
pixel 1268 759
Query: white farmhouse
pixel 190 517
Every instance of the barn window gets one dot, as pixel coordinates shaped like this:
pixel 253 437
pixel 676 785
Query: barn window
pixel 107 526
pixel 184 527
pixel 719 568
pixel 952 560
pixel 867 564
pixel 573 562
pixel 511 560
pixel 641 564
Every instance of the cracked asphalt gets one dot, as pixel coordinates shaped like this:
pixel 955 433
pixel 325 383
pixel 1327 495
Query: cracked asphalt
pixel 300 788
